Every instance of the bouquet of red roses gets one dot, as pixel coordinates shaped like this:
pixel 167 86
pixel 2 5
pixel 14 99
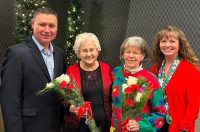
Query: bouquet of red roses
pixel 136 93
pixel 66 88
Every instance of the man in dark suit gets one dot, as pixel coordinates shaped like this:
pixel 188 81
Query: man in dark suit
pixel 26 68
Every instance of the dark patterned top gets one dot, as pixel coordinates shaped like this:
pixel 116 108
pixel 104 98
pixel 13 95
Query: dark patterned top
pixel 71 122
pixel 92 91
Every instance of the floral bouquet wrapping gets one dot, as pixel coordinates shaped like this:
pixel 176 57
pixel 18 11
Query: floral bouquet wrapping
pixel 66 88
pixel 136 93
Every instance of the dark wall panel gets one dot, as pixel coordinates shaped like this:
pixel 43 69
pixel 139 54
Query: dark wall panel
pixel 7 13
pixel 108 20
pixel 61 8
pixel 147 17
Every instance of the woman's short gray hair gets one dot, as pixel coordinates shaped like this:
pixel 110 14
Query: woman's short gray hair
pixel 81 38
pixel 135 41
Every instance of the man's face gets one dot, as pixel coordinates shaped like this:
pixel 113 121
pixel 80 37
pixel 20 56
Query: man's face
pixel 45 28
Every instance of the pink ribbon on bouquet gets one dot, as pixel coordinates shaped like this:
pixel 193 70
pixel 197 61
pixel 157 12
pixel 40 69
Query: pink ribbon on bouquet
pixel 85 109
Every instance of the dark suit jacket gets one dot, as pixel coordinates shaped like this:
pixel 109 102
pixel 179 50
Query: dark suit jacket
pixel 23 73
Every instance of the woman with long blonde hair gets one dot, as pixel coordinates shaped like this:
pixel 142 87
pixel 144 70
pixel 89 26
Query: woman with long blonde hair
pixel 177 68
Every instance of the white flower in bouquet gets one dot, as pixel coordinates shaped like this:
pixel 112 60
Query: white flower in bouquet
pixel 63 77
pixel 131 80
pixel 138 97
pixel 49 85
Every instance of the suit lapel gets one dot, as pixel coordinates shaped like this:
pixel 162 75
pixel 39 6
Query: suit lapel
pixel 56 62
pixel 38 57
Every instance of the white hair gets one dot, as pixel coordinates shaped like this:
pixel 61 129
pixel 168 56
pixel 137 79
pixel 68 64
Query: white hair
pixel 81 38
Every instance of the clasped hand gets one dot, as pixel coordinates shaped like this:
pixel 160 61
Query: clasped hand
pixel 132 126
pixel 75 110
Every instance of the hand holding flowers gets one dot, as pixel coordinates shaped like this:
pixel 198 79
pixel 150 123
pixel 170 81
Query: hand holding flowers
pixel 132 125
pixel 66 88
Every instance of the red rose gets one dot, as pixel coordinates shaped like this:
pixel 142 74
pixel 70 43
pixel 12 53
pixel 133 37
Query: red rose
pixel 70 86
pixel 63 84
pixel 130 102
pixel 136 87
pixel 128 90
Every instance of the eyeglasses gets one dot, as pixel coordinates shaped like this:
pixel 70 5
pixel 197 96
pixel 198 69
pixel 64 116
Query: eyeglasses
pixel 133 53
pixel 88 50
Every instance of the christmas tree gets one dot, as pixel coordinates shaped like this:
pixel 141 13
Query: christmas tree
pixel 74 27
pixel 24 14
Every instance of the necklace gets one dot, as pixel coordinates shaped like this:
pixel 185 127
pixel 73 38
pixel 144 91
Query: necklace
pixel 89 70
pixel 89 74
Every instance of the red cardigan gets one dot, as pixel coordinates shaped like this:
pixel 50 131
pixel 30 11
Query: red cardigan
pixel 107 83
pixel 182 92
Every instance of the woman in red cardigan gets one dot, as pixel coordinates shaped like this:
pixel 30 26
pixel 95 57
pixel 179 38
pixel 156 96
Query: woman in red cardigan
pixel 177 68
pixel 93 78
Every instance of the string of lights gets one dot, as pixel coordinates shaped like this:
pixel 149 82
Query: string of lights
pixel 24 14
pixel 75 25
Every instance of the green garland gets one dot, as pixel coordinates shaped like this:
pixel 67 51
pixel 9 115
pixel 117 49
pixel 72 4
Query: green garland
pixel 24 14
pixel 74 27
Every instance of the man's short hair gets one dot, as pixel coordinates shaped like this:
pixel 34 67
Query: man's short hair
pixel 44 10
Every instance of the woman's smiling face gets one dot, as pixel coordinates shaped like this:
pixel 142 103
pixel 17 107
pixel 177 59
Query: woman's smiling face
pixel 88 52
pixel 132 57
pixel 169 45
